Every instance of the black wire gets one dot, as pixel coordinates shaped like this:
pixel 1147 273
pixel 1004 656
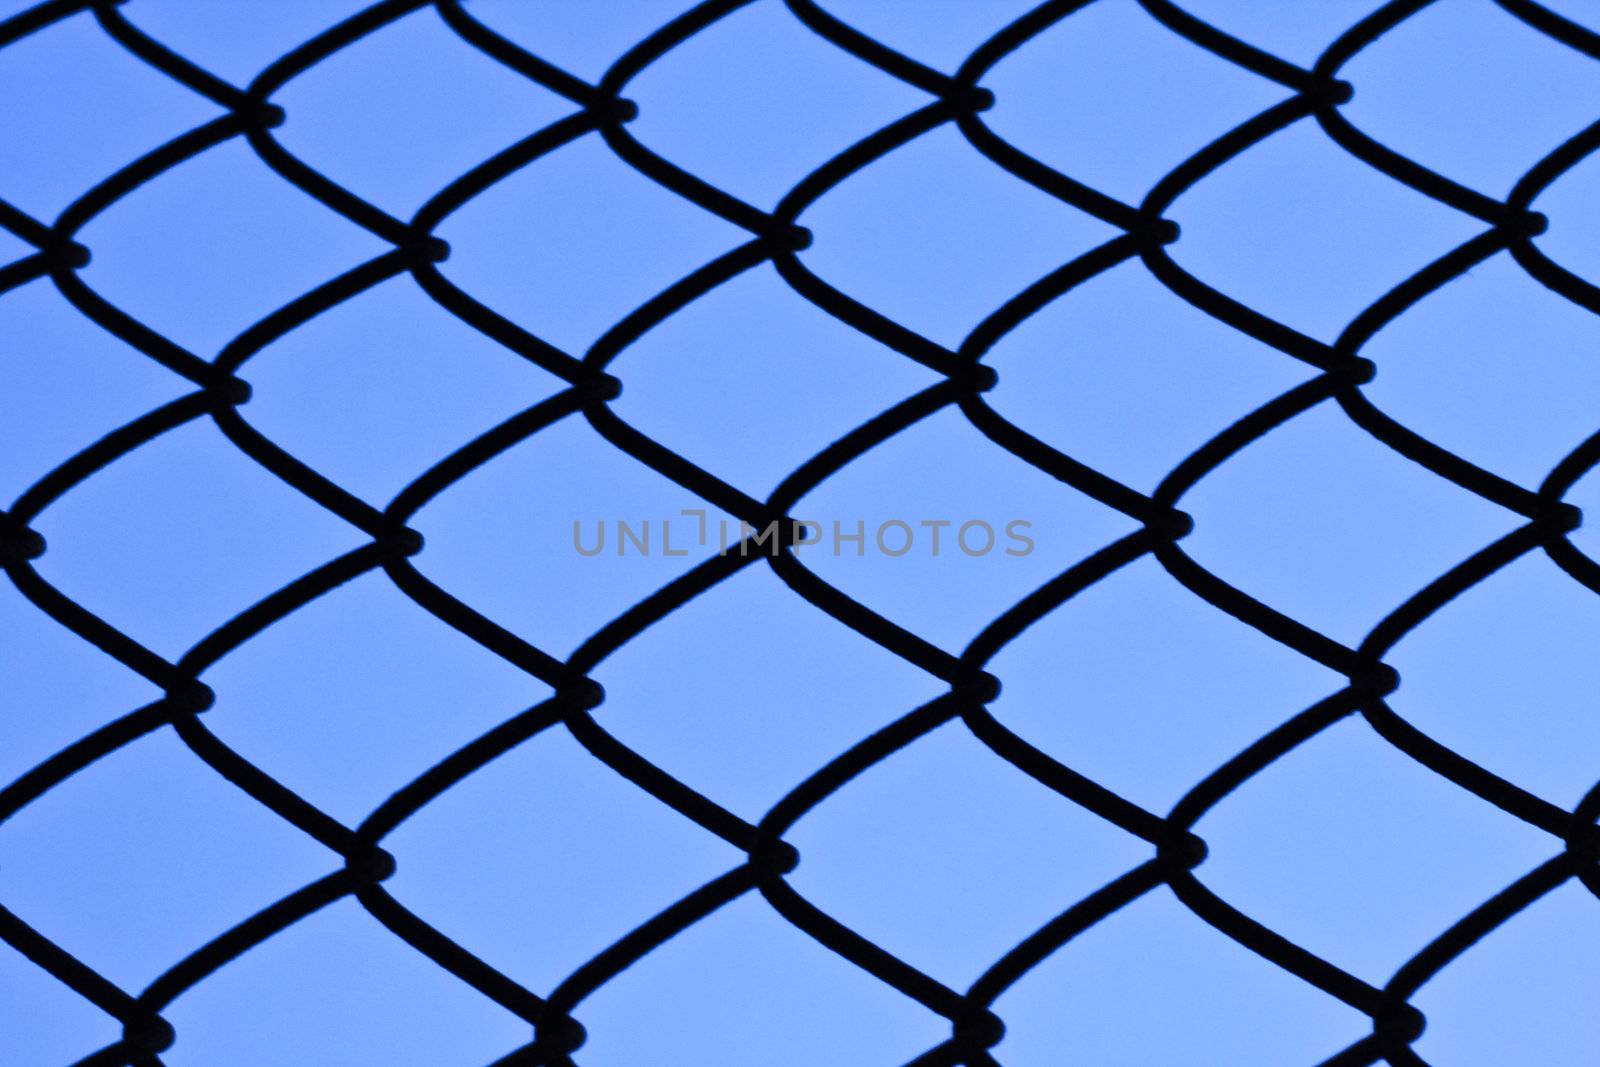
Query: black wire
pixel 777 237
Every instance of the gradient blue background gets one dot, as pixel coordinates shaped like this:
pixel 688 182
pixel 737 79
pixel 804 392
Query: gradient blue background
pixel 943 854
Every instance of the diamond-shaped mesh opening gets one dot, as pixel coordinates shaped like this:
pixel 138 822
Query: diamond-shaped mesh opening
pixel 312 389
pixel 783 100
pixel 176 862
pixel 54 407
pixel 1128 380
pixel 605 856
pixel 436 93
pixel 1520 708
pixel 47 666
pixel 567 247
pixel 1499 80
pixel 189 510
pixel 1378 851
pixel 1290 228
pixel 1511 351
pixel 1010 850
pixel 902 236
pixel 564 560
pixel 1326 547
pixel 307 695
pixel 1089 685
pixel 776 687
pixel 769 366
pixel 358 994
pixel 67 75
pixel 940 530
pixel 1155 959
pixel 1110 97
pixel 250 241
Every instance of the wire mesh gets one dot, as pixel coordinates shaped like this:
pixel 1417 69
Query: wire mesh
pixel 778 237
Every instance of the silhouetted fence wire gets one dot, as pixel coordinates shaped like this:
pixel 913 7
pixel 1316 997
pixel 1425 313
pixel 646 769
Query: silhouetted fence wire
pixel 777 237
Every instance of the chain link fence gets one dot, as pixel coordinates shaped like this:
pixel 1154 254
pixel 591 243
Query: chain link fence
pixel 779 237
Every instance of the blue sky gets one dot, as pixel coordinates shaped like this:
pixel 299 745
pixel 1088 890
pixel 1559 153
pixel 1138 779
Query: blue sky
pixel 944 854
